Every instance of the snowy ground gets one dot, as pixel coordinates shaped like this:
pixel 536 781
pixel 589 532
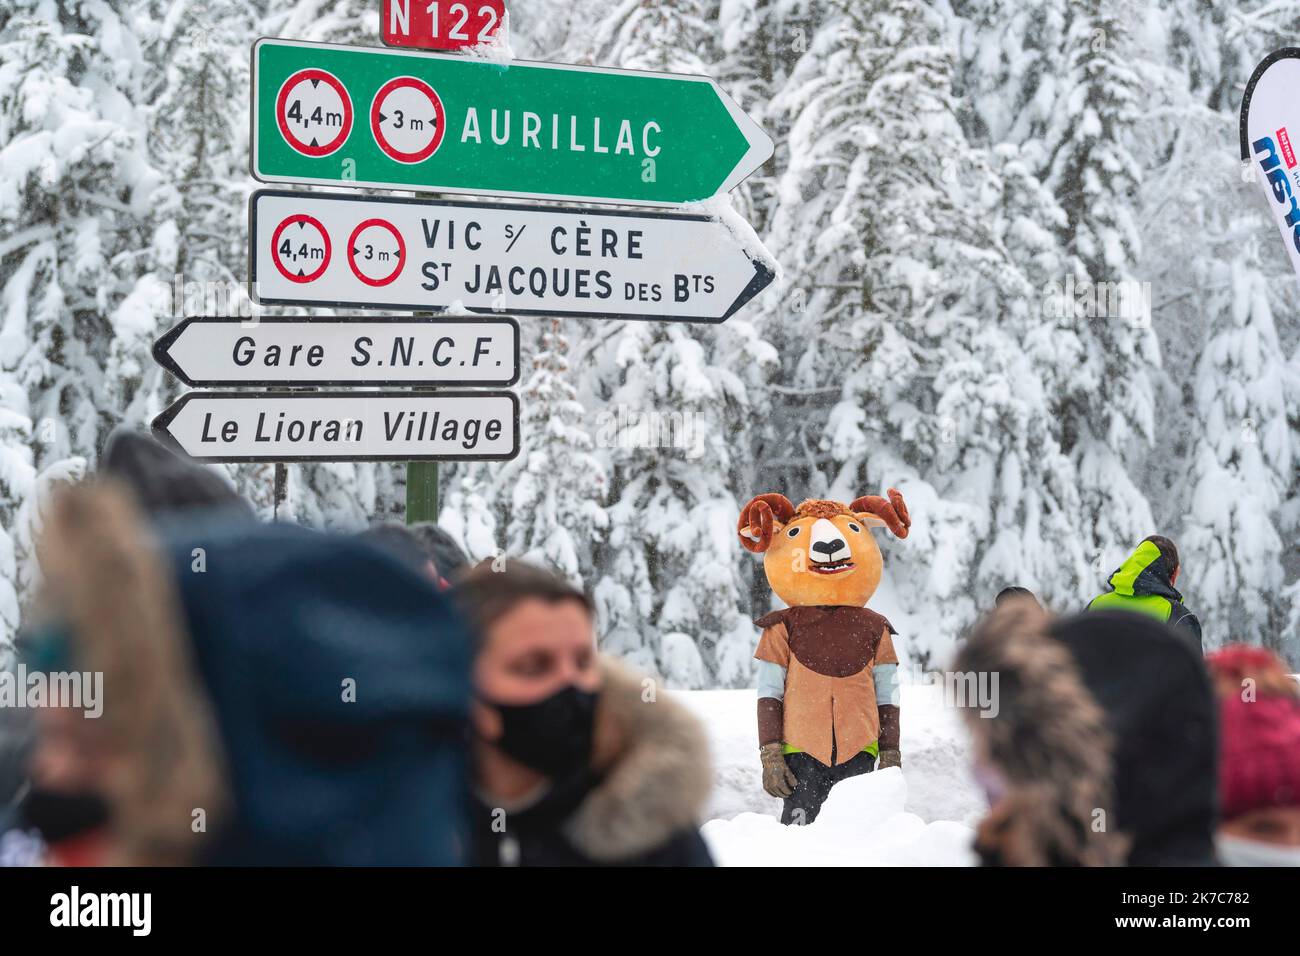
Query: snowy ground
pixel 920 816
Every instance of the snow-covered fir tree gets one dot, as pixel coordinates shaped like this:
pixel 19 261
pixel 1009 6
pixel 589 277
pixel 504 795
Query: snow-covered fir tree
pixel 942 172
pixel 1009 69
pixel 670 587
pixel 1242 467
pixel 552 493
pixel 76 191
pixel 915 315
pixel 1106 406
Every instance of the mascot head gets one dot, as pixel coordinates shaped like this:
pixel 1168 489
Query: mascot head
pixel 821 552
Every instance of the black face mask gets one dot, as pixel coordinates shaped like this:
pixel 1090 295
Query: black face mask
pixel 58 816
pixel 553 736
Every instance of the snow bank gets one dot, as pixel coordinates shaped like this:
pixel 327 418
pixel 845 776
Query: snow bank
pixel 922 815
pixel 863 823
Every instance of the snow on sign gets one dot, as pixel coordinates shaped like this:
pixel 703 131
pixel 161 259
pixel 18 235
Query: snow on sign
pixel 1270 140
pixel 326 351
pixel 524 260
pixel 404 119
pixel 440 25
pixel 342 426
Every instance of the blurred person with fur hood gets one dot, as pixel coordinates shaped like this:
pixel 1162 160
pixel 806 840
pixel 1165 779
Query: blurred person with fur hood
pixel 271 695
pixel 56 792
pixel 1151 685
pixel 577 761
pixel 1259 764
pixel 110 790
pixel 1042 750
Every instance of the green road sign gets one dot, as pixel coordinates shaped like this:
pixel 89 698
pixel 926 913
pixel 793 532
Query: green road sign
pixel 396 119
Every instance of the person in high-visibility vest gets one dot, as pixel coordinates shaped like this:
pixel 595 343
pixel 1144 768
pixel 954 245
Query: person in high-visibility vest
pixel 1145 583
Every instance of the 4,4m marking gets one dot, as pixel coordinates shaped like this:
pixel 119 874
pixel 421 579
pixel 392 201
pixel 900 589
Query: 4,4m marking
pixel 314 112
pixel 298 243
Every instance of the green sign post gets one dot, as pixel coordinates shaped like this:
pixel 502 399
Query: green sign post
pixel 421 491
pixel 395 119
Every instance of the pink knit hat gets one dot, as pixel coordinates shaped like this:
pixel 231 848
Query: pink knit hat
pixel 1259 739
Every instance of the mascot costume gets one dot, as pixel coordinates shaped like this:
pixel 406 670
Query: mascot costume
pixel 828 671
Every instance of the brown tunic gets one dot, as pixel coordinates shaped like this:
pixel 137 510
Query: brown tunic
pixel 830 691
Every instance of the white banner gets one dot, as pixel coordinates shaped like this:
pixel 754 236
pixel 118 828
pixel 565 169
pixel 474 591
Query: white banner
pixel 1270 140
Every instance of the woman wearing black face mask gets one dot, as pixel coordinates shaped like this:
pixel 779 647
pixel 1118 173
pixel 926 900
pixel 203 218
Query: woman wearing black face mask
pixel 575 763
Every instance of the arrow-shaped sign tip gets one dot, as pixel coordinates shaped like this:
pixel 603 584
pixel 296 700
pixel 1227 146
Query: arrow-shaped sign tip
pixel 761 147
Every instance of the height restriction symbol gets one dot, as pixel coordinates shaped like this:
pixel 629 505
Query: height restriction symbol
pixel 314 112
pixel 295 249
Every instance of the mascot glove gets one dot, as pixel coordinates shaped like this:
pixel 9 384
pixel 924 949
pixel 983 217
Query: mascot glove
pixel 778 779
pixel 889 758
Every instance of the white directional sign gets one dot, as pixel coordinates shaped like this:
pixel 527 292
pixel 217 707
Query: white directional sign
pixel 342 426
pixel 312 351
pixel 379 253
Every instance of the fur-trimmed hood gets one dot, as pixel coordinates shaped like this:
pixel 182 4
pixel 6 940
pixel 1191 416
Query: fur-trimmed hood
pixel 1047 745
pixel 1153 688
pixel 308 692
pixel 107 583
pixel 651 756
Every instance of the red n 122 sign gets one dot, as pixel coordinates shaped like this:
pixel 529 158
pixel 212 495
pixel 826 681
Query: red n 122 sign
pixel 440 24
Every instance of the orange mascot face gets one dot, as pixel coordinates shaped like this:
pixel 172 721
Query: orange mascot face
pixel 821 553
